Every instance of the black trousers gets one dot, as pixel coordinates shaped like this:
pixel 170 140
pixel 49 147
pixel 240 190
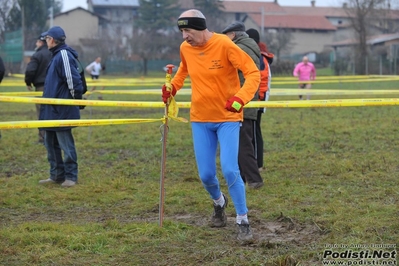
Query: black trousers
pixel 258 140
pixel 246 154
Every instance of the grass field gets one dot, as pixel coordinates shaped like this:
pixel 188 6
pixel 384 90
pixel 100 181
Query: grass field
pixel 331 184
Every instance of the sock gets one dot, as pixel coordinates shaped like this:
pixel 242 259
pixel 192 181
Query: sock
pixel 241 218
pixel 220 201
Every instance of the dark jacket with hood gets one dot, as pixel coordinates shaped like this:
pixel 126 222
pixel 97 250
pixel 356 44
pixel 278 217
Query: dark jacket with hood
pixel 62 81
pixel 249 46
pixel 36 69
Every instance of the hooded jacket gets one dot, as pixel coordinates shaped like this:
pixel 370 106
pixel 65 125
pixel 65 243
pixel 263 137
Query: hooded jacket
pixel 35 72
pixel 249 46
pixel 63 82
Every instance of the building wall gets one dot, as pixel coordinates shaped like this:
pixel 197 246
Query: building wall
pixel 77 24
pixel 310 41
pixel 336 21
pixel 302 41
pixel 121 20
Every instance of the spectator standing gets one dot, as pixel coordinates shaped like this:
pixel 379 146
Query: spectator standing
pixel 305 71
pixel 94 69
pixel 2 69
pixel 264 92
pixel 35 73
pixel 211 60
pixel 62 81
pixel 2 73
pixel 246 155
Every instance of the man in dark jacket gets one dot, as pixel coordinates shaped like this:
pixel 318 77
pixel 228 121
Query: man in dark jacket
pixel 62 81
pixel 2 69
pixel 36 72
pixel 2 72
pixel 246 154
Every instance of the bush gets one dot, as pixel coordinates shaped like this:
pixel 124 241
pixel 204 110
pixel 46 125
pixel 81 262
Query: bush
pixel 282 68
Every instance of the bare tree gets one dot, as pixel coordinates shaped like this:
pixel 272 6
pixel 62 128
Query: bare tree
pixel 279 41
pixel 156 45
pixel 5 7
pixel 214 13
pixel 364 15
pixel 156 37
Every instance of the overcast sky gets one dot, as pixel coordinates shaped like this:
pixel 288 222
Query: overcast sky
pixel 70 4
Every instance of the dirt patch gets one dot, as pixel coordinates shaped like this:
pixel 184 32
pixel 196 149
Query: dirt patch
pixel 269 233
pixel 281 231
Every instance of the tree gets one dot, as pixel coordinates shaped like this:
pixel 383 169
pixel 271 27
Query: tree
pixel 363 14
pixel 213 11
pixel 158 36
pixel 34 13
pixel 279 41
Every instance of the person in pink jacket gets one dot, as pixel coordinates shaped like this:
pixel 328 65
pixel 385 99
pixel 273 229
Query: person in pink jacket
pixel 305 71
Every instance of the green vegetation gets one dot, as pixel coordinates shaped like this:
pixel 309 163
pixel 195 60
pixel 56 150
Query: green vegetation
pixel 330 178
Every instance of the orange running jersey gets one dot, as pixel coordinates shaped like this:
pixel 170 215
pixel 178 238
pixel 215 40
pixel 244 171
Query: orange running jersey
pixel 213 72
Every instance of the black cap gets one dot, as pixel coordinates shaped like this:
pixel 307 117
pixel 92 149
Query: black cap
pixel 254 34
pixel 42 37
pixel 235 26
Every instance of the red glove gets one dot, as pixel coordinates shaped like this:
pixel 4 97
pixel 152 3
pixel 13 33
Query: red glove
pixel 166 94
pixel 234 104
pixel 261 95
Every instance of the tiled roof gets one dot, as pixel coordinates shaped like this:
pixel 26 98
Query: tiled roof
pixel 75 9
pixel 240 6
pixel 316 11
pixel 383 38
pixel 294 22
pixel 119 3
pixel 252 7
pixel 376 39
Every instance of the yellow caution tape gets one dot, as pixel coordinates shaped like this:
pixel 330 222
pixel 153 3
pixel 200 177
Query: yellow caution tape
pixel 281 92
pixel 161 80
pixel 55 101
pixel 145 82
pixel 274 82
pixel 325 103
pixel 72 123
pixel 270 104
pixel 386 77
pixel 273 92
pixel 24 93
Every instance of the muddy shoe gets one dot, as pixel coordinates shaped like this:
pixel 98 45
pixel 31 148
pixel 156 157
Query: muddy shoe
pixel 219 218
pixel 244 232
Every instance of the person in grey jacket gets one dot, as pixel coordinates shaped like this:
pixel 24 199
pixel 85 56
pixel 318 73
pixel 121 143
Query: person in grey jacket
pixel 35 73
pixel 246 155
pixel 62 81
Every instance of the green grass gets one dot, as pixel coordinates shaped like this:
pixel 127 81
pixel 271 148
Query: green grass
pixel 331 178
pixel 327 71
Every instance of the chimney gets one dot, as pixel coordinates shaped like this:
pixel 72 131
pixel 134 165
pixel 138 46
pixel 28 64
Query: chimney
pixel 345 5
pixel 313 3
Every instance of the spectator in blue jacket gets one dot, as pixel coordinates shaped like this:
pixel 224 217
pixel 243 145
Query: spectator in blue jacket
pixel 62 81
pixel 35 72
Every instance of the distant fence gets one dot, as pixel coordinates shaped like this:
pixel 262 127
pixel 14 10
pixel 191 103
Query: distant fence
pixel 371 65
pixel 136 67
